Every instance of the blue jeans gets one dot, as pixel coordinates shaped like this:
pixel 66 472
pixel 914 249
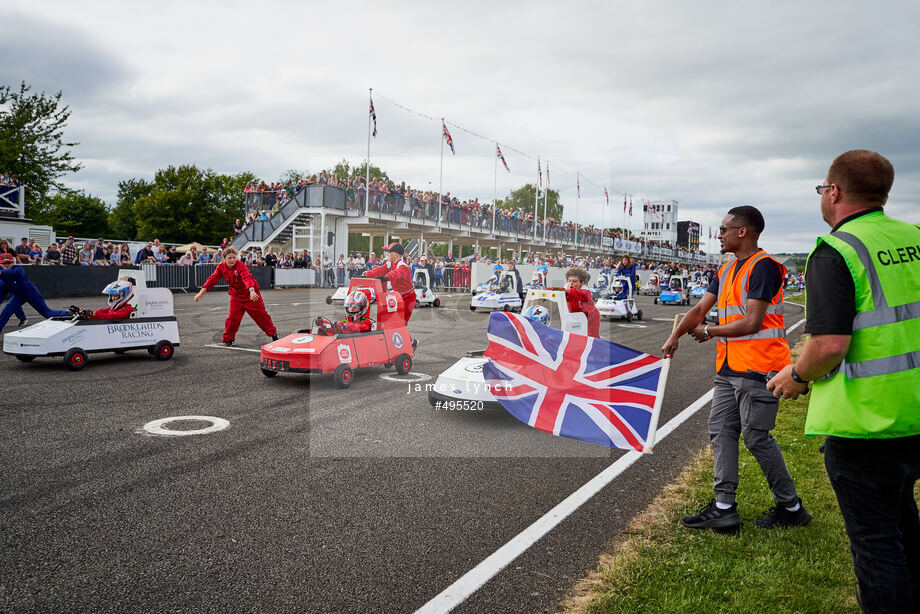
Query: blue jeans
pixel 874 482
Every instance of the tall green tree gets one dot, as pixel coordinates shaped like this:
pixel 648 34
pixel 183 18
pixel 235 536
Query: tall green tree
pixel 344 169
pixel 523 198
pixel 188 204
pixel 123 219
pixel 32 145
pixel 77 213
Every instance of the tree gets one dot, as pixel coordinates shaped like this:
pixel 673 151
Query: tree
pixel 77 213
pixel 344 169
pixel 122 219
pixel 523 198
pixel 188 204
pixel 31 142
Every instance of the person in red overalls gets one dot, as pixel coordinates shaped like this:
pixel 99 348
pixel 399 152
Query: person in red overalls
pixel 397 273
pixel 581 300
pixel 244 296
pixel 356 320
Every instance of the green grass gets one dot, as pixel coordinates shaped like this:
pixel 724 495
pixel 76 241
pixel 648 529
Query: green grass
pixel 662 567
pixel 799 298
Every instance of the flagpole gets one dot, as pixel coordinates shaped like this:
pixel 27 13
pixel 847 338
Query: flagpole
pixel 577 201
pixel 545 196
pixel 495 189
pixel 536 200
pixel 659 396
pixel 441 175
pixel 367 179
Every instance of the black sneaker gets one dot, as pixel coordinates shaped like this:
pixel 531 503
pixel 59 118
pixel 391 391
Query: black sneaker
pixel 414 345
pixel 274 337
pixel 228 343
pixel 711 517
pixel 779 516
pixel 23 321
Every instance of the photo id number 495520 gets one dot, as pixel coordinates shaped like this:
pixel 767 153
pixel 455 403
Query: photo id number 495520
pixel 459 405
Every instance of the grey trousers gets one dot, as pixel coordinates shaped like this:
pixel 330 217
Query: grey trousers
pixel 744 407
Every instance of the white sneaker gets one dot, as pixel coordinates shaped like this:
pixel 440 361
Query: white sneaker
pixel 23 321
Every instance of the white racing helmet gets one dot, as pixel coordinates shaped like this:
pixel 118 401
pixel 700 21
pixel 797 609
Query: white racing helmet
pixel 617 286
pixel 119 292
pixel 537 313
pixel 356 305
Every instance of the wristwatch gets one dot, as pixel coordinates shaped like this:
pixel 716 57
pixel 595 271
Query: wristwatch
pixel 797 377
pixel 706 330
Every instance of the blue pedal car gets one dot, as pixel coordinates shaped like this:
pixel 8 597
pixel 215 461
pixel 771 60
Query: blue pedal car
pixel 676 294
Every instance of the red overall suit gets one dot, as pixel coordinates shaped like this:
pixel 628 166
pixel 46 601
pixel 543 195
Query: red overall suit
pixel 400 276
pixel 241 280
pixel 107 313
pixel 581 300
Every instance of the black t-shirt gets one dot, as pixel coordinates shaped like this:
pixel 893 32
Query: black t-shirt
pixel 271 259
pixel 830 299
pixel 763 284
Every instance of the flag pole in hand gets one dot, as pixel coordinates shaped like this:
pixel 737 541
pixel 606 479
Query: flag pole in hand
pixel 659 395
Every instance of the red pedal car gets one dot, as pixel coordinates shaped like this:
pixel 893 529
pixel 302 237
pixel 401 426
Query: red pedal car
pixel 309 351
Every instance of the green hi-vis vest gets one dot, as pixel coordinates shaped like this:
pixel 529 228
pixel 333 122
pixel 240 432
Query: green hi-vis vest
pixel 875 392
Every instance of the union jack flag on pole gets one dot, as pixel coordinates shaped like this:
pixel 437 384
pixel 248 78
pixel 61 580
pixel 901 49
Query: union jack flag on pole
pixel 450 141
pixel 374 117
pixel 606 195
pixel 574 386
pixel 578 185
pixel 624 203
pixel 630 206
pixel 539 171
pixel 501 157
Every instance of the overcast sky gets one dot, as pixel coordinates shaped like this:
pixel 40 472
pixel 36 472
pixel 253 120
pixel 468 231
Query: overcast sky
pixel 711 104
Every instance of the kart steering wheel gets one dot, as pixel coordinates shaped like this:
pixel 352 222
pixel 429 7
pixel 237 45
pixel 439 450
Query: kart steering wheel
pixel 322 325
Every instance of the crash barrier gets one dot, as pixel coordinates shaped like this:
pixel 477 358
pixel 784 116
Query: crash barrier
pixel 294 278
pixel 172 277
pixel 555 275
pixel 65 281
pixel 203 271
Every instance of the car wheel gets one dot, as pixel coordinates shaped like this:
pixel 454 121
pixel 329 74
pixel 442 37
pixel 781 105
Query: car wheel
pixel 24 358
pixel 628 315
pixel 403 364
pixel 163 350
pixel 75 359
pixel 472 308
pixel 656 300
pixel 639 315
pixel 506 308
pixel 328 300
pixel 437 302
pixel 343 376
pixel 268 372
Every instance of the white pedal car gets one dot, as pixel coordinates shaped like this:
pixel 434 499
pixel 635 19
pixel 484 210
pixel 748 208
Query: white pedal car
pixel 501 296
pixel 652 287
pixel 619 301
pixel 537 282
pixel 151 327
pixel 462 385
pixel 424 295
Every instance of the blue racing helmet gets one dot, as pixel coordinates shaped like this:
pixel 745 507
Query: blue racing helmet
pixel 119 293
pixel 537 313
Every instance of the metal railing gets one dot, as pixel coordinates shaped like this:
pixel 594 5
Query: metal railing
pixel 173 277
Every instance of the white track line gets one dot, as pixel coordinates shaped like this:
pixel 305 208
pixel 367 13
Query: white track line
pixel 232 347
pixel 470 582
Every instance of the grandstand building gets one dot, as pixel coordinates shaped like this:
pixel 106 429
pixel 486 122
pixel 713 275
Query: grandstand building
pixel 660 221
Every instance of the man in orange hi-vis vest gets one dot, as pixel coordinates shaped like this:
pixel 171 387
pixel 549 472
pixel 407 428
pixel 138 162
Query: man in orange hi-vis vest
pixel 750 346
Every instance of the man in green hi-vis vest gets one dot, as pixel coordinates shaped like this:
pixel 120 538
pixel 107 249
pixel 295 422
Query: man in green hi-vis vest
pixel 863 359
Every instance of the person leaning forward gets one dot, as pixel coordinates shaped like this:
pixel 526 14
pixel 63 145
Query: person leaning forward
pixel 750 344
pixel 862 285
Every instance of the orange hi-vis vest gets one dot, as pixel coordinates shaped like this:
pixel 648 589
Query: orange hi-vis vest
pixel 767 349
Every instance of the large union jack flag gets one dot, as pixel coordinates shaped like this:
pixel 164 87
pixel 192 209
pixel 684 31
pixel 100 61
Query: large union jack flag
pixel 574 386
pixel 373 116
pixel 450 141
pixel 501 157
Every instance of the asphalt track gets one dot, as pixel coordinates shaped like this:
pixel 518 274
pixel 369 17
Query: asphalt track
pixel 314 499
